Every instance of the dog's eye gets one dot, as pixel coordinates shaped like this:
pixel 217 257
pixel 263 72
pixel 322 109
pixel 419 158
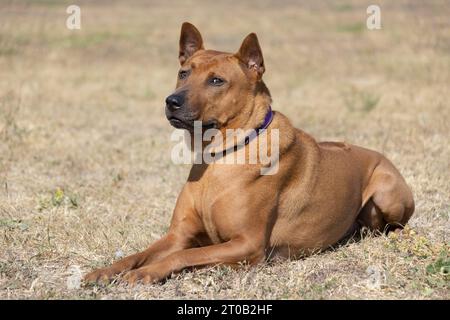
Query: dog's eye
pixel 215 81
pixel 182 74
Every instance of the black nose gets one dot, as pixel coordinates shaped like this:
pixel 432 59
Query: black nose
pixel 174 101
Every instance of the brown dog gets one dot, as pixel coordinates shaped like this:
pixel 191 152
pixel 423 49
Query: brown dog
pixel 230 213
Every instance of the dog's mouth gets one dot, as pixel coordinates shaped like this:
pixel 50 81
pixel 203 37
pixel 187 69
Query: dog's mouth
pixel 181 124
pixel 188 124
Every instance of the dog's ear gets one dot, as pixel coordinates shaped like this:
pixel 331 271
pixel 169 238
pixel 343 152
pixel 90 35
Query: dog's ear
pixel 251 55
pixel 190 41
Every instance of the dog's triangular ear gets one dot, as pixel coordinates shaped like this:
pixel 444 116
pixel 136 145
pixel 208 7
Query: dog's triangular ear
pixel 250 54
pixel 190 41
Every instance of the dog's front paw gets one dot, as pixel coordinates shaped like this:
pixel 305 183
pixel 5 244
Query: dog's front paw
pixel 143 275
pixel 103 276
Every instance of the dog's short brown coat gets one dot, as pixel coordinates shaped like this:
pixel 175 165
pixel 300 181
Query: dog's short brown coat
pixel 227 214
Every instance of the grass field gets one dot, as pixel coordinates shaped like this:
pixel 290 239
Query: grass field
pixel 85 170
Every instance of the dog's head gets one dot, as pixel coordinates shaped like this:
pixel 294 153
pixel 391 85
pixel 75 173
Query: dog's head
pixel 217 88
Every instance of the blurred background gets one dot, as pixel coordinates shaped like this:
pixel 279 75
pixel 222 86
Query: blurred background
pixel 85 170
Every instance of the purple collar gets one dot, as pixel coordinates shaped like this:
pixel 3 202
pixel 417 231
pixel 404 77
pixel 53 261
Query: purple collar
pixel 267 120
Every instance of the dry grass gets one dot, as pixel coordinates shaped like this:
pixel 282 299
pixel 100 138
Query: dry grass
pixel 85 171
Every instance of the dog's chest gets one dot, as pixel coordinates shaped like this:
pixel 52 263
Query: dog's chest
pixel 209 219
pixel 210 227
pixel 214 213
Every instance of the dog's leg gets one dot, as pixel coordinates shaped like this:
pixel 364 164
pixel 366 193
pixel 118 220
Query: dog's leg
pixel 185 225
pixel 390 203
pixel 159 249
pixel 228 253
pixel 250 217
